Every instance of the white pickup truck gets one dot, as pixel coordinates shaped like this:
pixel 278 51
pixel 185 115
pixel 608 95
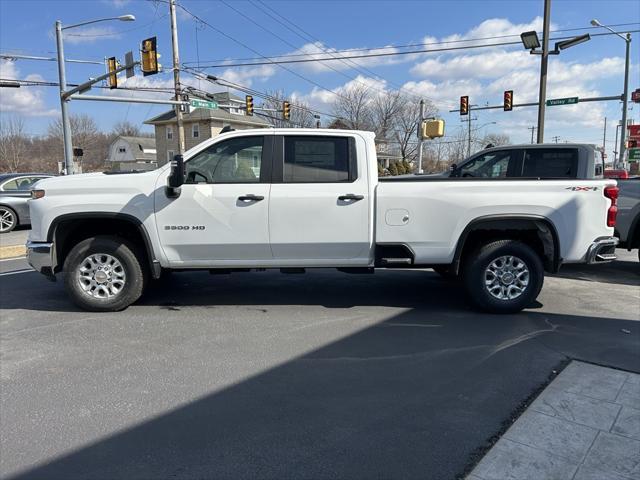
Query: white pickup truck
pixel 305 198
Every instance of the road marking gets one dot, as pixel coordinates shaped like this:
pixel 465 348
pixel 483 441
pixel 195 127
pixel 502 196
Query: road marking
pixel 27 270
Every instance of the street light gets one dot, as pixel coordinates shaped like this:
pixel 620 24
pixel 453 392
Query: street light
pixel 531 42
pixel 625 94
pixel 66 126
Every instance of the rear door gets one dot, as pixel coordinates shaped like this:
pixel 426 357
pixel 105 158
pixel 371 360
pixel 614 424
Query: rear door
pixel 320 202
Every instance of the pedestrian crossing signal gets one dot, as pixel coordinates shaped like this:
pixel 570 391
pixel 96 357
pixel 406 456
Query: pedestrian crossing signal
pixel 464 105
pixel 508 100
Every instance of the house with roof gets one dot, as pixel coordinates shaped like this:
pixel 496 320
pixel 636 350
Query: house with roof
pixel 133 153
pixel 201 124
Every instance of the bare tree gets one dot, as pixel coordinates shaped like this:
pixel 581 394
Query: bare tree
pixel 301 116
pixel 125 129
pixel 496 139
pixel 353 106
pixel 86 136
pixel 13 144
pixel 386 109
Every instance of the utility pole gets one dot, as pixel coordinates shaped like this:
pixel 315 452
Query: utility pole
pixel 176 74
pixel 604 138
pixel 556 138
pixel 615 144
pixel 544 61
pixel 420 141
pixel 66 124
pixel 533 131
pixel 625 99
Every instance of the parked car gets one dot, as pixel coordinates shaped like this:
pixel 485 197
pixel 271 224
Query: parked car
pixel 616 173
pixel 14 195
pixel 544 161
pixel 304 198
pixel 628 223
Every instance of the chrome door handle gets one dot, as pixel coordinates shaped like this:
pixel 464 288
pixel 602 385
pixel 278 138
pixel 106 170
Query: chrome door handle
pixel 250 198
pixel 350 197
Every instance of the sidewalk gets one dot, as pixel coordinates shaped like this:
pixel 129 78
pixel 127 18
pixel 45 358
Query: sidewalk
pixel 584 426
pixel 12 243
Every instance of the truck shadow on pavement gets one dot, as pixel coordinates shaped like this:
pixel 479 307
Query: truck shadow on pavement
pixel 620 272
pixel 391 401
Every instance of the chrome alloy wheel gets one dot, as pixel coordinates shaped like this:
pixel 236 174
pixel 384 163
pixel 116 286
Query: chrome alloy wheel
pixel 101 276
pixel 7 220
pixel 506 278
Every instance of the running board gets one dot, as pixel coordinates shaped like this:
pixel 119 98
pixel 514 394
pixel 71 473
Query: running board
pixel 396 261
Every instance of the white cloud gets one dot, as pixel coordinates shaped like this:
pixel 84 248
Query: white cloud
pixel 91 34
pixel 497 27
pixel 245 76
pixel 27 101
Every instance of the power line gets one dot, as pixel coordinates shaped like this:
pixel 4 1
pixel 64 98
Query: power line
pixel 248 90
pixel 326 49
pixel 258 53
pixel 411 45
pixel 386 54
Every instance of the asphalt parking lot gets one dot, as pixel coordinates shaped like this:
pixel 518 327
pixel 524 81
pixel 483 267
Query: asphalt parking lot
pixel 264 375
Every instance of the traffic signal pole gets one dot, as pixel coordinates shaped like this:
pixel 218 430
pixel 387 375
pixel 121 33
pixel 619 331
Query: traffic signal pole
pixel 66 124
pixel 544 61
pixel 176 74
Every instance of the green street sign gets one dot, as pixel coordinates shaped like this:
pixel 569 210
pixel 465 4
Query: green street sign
pixel 562 101
pixel 634 154
pixel 203 104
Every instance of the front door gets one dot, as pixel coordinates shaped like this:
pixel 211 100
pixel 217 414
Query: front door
pixel 320 201
pixel 221 215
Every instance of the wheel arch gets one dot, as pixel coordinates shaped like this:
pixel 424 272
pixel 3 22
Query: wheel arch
pixel 68 229
pixel 546 239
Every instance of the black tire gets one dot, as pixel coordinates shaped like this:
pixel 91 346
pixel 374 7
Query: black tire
pixel 475 275
pixel 8 219
pixel 445 272
pixel 130 261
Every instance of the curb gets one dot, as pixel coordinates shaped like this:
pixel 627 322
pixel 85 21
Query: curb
pixel 13 251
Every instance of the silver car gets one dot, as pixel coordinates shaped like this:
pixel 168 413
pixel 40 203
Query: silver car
pixel 15 192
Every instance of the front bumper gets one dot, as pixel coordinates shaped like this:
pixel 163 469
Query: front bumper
pixel 41 256
pixel 602 250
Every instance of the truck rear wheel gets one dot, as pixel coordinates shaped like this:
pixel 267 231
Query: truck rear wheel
pixel 103 274
pixel 504 276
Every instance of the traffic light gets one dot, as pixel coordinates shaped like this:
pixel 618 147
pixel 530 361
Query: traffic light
pixel 248 100
pixel 508 100
pixel 149 64
pixel 112 65
pixel 286 110
pixel 464 105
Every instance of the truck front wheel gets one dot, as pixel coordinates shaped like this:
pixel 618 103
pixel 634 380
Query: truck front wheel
pixel 103 274
pixel 504 276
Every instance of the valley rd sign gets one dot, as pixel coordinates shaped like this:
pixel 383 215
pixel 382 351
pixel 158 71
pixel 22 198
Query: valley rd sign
pixel 562 101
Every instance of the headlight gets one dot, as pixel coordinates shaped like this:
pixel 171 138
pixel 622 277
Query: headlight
pixel 35 194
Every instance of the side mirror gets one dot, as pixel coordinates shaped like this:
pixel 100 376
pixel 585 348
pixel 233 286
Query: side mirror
pixel 176 177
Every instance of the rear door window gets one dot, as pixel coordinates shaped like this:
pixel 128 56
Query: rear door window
pixel 316 159
pixel 550 163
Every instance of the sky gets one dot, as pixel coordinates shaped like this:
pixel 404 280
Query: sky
pixel 241 29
